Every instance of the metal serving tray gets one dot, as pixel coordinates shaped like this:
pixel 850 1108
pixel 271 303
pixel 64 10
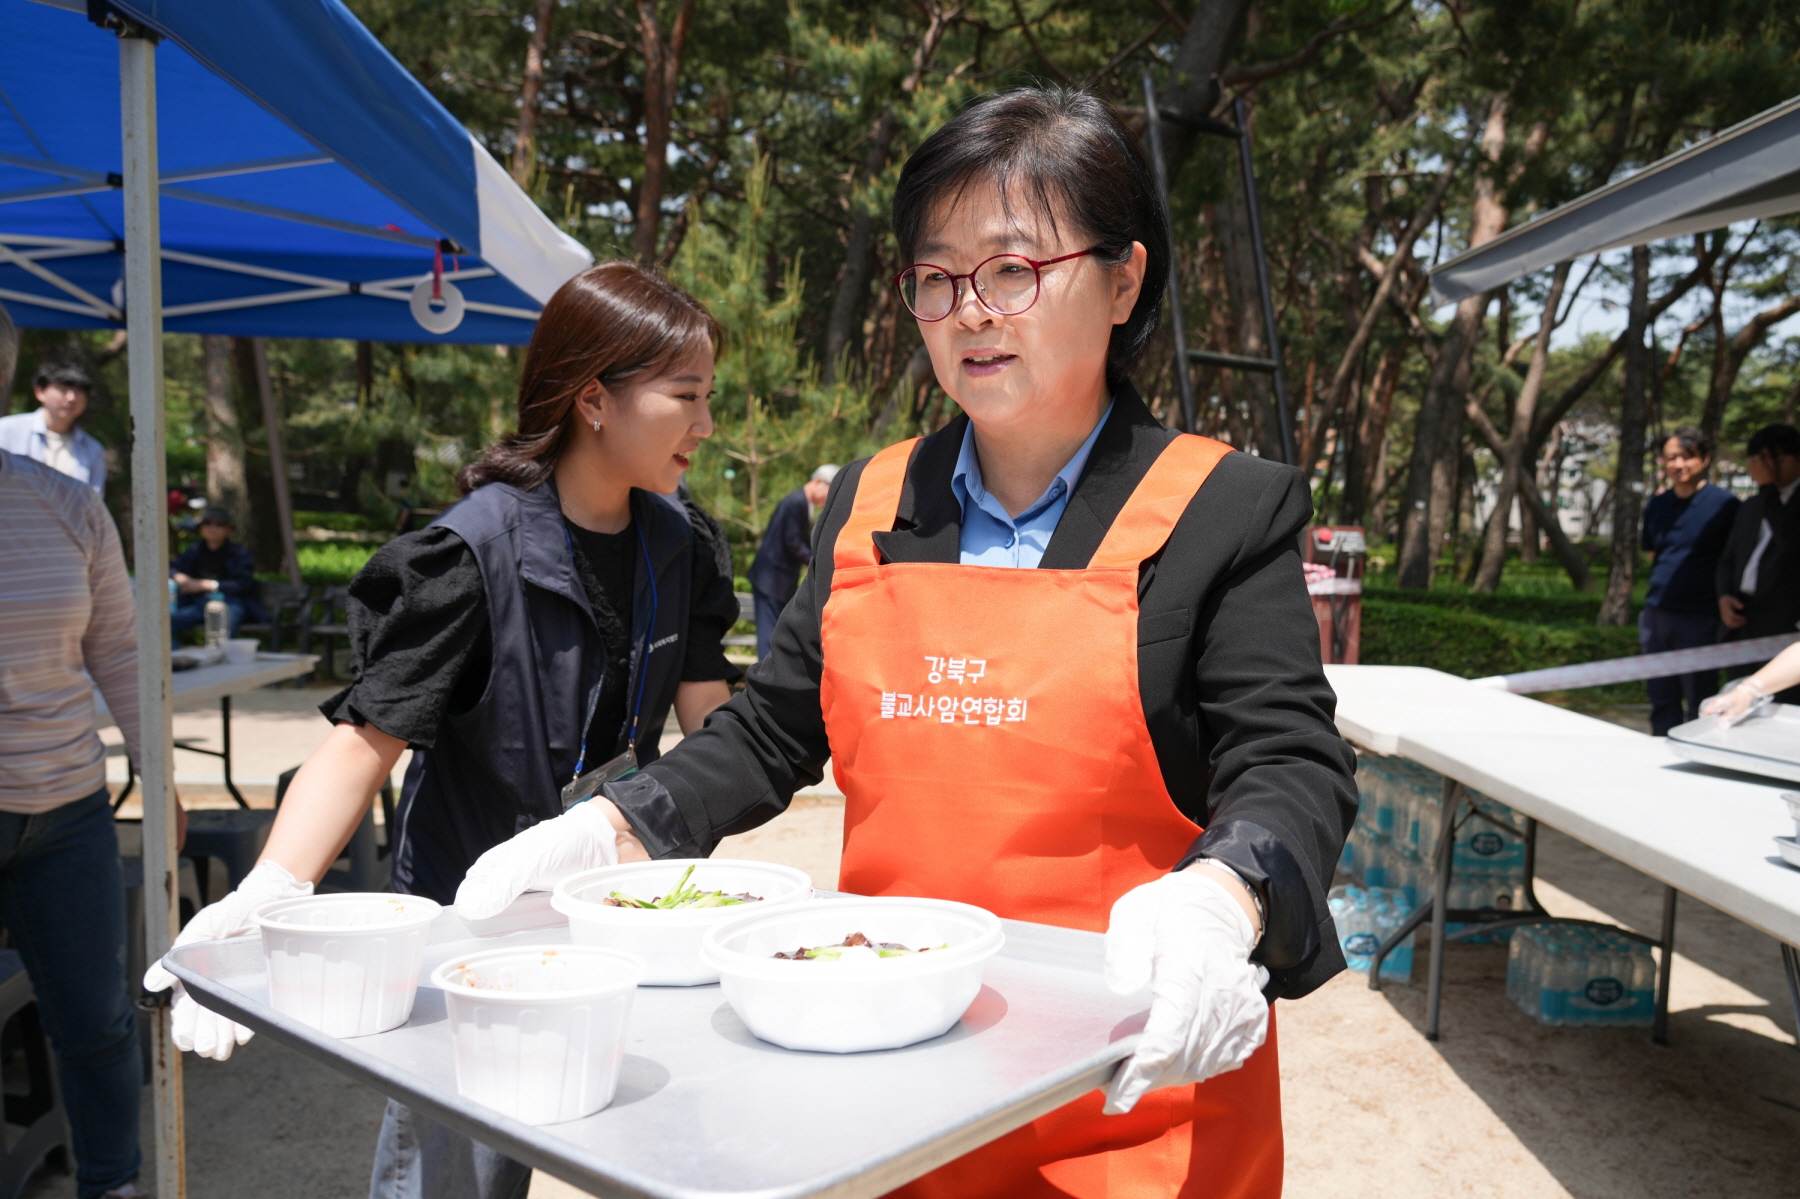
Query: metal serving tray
pixel 1766 745
pixel 706 1109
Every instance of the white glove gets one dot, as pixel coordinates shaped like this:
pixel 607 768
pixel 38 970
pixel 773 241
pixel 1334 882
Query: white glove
pixel 1185 936
pixel 1740 700
pixel 537 859
pixel 206 1032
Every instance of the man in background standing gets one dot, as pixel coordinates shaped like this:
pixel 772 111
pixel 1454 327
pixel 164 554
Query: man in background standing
pixel 1685 529
pixel 1759 591
pixel 785 551
pixel 49 435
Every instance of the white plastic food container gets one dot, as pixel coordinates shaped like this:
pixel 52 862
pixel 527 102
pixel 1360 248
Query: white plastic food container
pixel 1792 799
pixel 242 649
pixel 1790 850
pixel 669 941
pixel 539 1031
pixel 851 1006
pixel 348 965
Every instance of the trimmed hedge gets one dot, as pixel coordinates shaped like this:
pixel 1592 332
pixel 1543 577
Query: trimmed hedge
pixel 1461 639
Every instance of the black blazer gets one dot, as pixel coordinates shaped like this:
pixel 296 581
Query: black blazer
pixel 1228 672
pixel 1775 607
pixel 786 548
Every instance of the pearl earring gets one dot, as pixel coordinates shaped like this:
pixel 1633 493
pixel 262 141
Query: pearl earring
pixel 596 426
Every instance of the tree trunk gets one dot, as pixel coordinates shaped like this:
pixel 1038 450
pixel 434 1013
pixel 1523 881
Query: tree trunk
pixel 859 245
pixel 1512 463
pixel 1529 499
pixel 253 378
pixel 1362 458
pixel 1628 487
pixel 1431 473
pixel 1728 358
pixel 524 155
pixel 226 484
pixel 1194 90
pixel 662 71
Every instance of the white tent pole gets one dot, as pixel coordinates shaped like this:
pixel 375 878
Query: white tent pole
pixel 150 541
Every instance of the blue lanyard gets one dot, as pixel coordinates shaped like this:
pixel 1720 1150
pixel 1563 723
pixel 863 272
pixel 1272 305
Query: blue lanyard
pixel 637 706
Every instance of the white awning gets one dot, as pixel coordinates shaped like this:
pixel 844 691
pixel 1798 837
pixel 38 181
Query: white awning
pixel 1749 171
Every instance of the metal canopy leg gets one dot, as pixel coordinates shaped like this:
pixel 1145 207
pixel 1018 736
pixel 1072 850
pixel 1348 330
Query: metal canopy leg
pixel 1184 371
pixel 150 550
pixel 1271 333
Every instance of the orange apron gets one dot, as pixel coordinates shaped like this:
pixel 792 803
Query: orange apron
pixel 989 737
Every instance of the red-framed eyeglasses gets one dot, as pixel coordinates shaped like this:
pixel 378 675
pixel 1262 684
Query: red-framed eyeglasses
pixel 1005 285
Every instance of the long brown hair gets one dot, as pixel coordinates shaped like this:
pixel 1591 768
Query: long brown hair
pixel 611 322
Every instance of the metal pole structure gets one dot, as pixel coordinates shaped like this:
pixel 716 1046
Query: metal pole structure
pixel 1184 373
pixel 150 556
pixel 1262 282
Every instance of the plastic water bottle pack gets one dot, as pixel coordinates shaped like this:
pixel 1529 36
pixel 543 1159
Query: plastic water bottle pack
pixel 1569 974
pixel 1397 826
pixel 1367 916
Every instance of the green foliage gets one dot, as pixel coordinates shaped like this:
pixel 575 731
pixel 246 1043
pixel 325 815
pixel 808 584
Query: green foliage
pixel 340 522
pixel 774 421
pixel 331 563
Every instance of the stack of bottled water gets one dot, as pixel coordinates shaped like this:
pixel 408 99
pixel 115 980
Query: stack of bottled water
pixel 1365 917
pixel 1570 974
pixel 1396 833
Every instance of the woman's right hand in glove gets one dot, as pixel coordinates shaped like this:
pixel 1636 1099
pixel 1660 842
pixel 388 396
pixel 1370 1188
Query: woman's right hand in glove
pixel 198 1029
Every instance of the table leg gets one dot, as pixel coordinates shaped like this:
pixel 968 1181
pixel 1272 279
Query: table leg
pixel 1790 961
pixel 1440 904
pixel 225 719
pixel 1659 1026
pixel 1393 942
pixel 1531 899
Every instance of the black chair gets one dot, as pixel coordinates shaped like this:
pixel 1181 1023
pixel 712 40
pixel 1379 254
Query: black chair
pixel 40 1127
pixel 329 618
pixel 288 605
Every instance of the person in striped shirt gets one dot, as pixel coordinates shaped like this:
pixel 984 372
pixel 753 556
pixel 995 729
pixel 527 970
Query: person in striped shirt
pixel 66 627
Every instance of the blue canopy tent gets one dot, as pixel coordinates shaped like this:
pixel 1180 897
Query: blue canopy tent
pixel 309 182
pixel 271 172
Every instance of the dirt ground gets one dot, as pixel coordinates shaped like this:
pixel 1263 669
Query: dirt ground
pixel 1499 1107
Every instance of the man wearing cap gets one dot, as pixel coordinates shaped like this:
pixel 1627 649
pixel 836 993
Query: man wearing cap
pixel 49 435
pixel 216 568
pixel 786 550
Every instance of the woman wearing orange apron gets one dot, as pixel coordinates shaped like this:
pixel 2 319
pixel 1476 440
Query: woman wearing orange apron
pixel 1063 663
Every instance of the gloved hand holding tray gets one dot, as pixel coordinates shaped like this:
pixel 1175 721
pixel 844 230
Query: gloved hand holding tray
pixel 705 1108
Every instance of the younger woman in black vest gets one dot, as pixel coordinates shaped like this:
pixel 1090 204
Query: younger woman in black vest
pixel 542 627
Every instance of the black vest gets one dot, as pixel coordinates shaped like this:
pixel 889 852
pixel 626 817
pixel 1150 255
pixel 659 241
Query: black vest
pixel 498 768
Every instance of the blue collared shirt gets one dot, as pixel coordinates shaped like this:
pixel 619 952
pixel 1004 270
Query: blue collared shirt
pixel 24 435
pixel 990 537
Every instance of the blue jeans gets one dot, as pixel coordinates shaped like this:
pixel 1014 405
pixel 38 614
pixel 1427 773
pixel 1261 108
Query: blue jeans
pixel 768 612
pixel 1676 699
pixel 418 1158
pixel 62 899
pixel 191 613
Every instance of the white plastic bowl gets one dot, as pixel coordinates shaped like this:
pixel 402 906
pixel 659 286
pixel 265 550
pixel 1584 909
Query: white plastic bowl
pixel 242 649
pixel 1792 799
pixel 539 1031
pixel 1790 850
pixel 669 941
pixel 348 965
pixel 849 1007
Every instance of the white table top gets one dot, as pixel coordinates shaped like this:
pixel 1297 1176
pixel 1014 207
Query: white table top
pixel 1378 704
pixel 204 684
pixel 1702 831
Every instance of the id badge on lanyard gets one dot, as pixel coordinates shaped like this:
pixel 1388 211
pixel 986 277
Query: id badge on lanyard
pixel 583 787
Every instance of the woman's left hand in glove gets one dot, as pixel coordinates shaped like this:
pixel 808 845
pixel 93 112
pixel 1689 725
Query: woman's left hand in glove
pixel 1188 937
